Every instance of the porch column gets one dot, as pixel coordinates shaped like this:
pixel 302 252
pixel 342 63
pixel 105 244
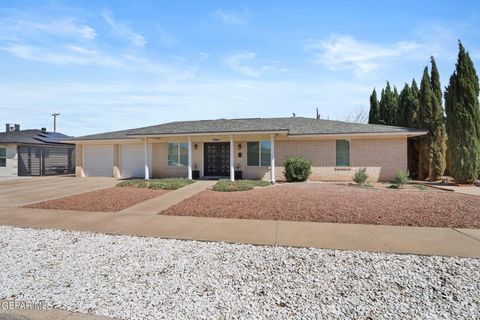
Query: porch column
pixel 147 169
pixel 190 158
pixel 232 164
pixel 272 158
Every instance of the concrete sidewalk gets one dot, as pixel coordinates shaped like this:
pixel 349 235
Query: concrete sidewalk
pixel 9 312
pixel 471 190
pixel 395 239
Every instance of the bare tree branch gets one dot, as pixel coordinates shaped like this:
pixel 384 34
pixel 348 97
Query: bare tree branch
pixel 357 116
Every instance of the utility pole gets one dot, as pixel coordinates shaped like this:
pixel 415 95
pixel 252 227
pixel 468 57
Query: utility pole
pixel 54 115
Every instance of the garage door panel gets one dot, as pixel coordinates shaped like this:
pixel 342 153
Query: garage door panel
pixel 132 162
pixel 98 161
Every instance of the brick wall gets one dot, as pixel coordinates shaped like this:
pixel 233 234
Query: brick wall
pixel 382 158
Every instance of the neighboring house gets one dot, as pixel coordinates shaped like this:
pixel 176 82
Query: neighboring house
pixel 34 153
pixel 255 147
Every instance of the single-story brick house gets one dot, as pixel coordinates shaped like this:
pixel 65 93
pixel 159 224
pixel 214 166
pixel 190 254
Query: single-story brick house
pixel 34 152
pixel 254 148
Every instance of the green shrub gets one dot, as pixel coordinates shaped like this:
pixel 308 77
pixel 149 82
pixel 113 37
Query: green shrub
pixel 360 176
pixel 225 185
pixel 164 184
pixel 297 169
pixel 421 187
pixel 401 178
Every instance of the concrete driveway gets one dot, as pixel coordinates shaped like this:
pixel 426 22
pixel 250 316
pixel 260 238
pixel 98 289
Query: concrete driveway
pixel 19 192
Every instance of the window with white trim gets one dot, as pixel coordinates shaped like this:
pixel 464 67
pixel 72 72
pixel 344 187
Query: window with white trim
pixel 258 153
pixel 177 154
pixel 342 153
pixel 3 157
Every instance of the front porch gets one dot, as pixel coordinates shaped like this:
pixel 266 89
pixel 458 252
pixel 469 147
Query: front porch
pixel 247 156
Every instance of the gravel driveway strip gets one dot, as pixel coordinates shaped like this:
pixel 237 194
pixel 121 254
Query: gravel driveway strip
pixel 149 278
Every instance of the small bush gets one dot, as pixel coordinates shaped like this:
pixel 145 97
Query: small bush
pixel 421 187
pixel 164 184
pixel 225 185
pixel 401 178
pixel 360 176
pixel 297 169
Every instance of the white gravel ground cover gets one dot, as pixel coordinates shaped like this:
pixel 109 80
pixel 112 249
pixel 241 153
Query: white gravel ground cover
pixel 148 278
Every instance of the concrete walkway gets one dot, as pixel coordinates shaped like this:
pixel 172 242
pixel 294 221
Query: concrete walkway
pixel 158 204
pixel 471 190
pixel 8 311
pixel 396 239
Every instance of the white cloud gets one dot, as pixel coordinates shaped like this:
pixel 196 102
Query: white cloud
pixel 14 29
pixel 78 55
pixel 244 63
pixel 231 18
pixel 347 53
pixel 121 29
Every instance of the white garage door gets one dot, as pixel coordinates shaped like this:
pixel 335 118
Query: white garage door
pixel 132 163
pixel 98 161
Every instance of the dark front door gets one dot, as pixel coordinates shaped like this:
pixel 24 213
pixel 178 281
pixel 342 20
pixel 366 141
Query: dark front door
pixel 216 159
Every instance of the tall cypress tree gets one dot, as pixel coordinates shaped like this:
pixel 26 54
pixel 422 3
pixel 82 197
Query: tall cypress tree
pixel 394 107
pixel 374 114
pixel 403 105
pixel 383 108
pixel 425 121
pixel 435 80
pixel 412 108
pixel 386 105
pixel 439 136
pixel 463 120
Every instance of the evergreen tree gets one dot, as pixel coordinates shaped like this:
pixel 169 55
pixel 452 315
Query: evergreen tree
pixel 432 146
pixel 435 80
pixel 411 120
pixel 439 136
pixel 392 119
pixel 374 114
pixel 383 108
pixel 463 120
pixel 402 108
pixel 413 106
pixel 386 105
pixel 425 116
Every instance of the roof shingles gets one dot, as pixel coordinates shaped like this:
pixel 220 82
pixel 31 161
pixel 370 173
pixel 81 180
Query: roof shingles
pixel 293 125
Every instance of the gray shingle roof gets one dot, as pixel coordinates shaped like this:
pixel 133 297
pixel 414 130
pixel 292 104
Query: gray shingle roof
pixel 293 125
pixel 32 136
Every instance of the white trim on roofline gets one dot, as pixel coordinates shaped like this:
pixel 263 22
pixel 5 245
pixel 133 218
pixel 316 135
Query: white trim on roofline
pixel 218 133
pixel 366 134
pixel 139 138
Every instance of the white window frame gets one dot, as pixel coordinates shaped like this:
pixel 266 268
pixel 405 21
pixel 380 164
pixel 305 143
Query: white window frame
pixel 349 154
pixel 260 154
pixel 178 155
pixel 4 157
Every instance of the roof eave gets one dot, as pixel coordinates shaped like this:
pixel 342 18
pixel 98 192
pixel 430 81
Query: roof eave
pixel 362 134
pixel 159 135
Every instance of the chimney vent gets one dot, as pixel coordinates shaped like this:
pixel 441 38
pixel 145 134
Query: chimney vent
pixel 44 129
pixel 10 127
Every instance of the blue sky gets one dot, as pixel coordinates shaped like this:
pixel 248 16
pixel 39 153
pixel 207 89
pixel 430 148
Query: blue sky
pixel 112 65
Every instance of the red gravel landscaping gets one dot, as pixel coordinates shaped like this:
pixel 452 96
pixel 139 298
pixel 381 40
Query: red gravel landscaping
pixel 104 200
pixel 337 203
